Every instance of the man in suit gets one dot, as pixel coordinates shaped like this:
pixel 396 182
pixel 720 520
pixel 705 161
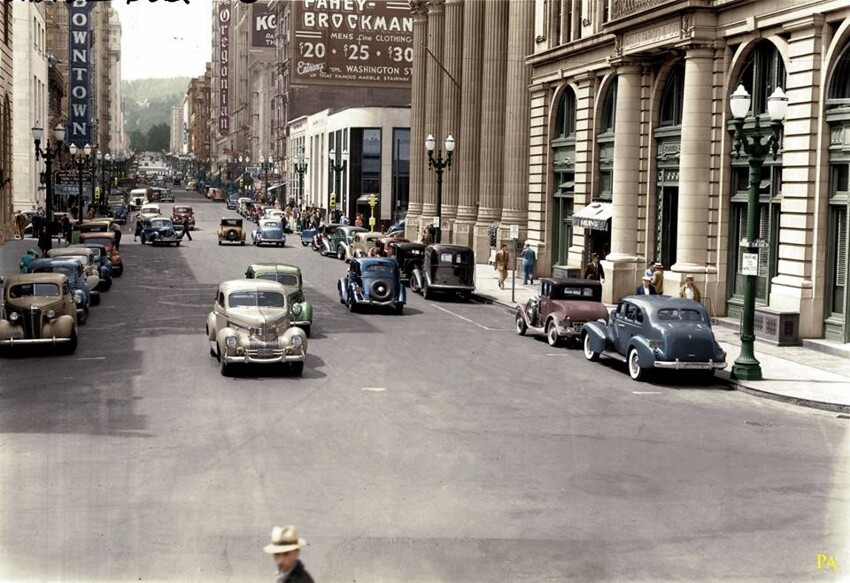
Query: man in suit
pixel 645 288
pixel 286 547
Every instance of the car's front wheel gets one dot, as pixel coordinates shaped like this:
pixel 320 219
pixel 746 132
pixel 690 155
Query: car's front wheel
pixel 81 318
pixel 637 372
pixel 399 309
pixel 352 305
pixel 306 329
pixel 521 327
pixel 589 353
pixel 297 368
pixel 340 253
pixel 552 334
pixel 70 347
pixel 223 365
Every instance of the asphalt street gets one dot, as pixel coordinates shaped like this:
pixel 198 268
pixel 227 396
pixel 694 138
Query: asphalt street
pixel 436 446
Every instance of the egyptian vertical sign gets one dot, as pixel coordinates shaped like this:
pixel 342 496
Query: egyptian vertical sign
pixel 80 89
pixel 225 14
pixel 265 26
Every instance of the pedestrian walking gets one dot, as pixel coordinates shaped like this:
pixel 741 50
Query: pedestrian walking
pixel 37 223
pixel 116 228
pixel 594 269
pixel 20 224
pixel 45 240
pixel 30 256
pixel 500 264
pixel 689 290
pixel 138 229
pixel 66 229
pixel 286 547
pixel 645 288
pixel 186 232
pixel 528 260
pixel 658 278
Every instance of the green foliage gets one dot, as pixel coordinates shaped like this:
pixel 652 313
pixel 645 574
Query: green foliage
pixel 159 137
pixel 147 103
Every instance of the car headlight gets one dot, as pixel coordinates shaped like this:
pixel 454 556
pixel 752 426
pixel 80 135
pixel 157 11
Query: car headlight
pixel 50 314
pixel 297 341
pixel 296 308
pixel 79 297
pixel 231 341
pixel 14 317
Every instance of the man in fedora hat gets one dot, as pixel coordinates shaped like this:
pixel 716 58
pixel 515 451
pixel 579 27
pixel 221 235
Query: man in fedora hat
pixel 286 548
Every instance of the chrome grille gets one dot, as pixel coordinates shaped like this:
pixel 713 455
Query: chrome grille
pixel 260 349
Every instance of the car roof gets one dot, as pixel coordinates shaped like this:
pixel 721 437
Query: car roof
pixel 563 281
pixel 351 229
pixel 410 245
pixel 64 251
pixel 658 302
pixel 460 248
pixel 250 284
pixel 107 234
pixel 57 278
pixel 278 267
pixel 366 261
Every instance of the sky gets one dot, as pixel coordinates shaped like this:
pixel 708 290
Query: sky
pixel 164 39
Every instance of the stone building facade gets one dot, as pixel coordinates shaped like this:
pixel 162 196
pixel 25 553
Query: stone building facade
pixel 198 97
pixel 6 100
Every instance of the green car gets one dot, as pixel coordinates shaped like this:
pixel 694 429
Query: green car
pixel 300 310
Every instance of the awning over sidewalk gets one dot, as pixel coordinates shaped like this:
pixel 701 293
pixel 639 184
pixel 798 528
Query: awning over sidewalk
pixel 276 186
pixel 595 216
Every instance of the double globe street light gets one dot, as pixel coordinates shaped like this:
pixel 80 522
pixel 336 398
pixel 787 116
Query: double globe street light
pixel 756 145
pixel 338 169
pixel 300 168
pixel 48 154
pixel 82 161
pixel 439 164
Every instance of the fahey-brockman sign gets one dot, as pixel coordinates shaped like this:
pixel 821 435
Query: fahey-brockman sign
pixel 352 42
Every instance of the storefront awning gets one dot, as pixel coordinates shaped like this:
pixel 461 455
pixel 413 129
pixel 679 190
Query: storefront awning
pixel 276 186
pixel 364 198
pixel 594 216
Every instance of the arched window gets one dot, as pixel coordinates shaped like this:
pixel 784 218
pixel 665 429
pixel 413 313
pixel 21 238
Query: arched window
pixel 763 72
pixel 609 110
pixel 839 83
pixel 563 176
pixel 672 98
pixel 605 142
pixel 565 119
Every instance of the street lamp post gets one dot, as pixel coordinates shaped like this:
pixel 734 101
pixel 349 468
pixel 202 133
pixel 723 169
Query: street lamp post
pixel 756 146
pixel 300 168
pixel 439 164
pixel 48 154
pixel 266 164
pixel 81 160
pixel 338 169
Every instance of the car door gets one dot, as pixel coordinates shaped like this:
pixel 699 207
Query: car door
pixel 545 303
pixel 629 326
pixel 219 312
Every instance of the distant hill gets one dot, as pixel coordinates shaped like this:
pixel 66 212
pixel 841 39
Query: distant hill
pixel 148 102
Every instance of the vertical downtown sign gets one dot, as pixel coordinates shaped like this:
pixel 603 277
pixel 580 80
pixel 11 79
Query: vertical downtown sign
pixel 79 46
pixel 225 12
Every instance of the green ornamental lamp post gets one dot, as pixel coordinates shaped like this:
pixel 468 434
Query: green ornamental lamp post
pixel 756 146
pixel 300 168
pixel 439 164
pixel 338 169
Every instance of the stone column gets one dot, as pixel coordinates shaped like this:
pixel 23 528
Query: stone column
pixel 465 164
pixel 694 171
pixel 452 80
pixel 493 85
pixel 621 268
pixel 433 100
pixel 517 115
pixel 418 164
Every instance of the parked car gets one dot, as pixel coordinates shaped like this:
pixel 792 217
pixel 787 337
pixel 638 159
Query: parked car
pixel 73 270
pixel 38 308
pixel 268 232
pixel 107 240
pixel 165 194
pixel 217 194
pixel 138 198
pixel 362 244
pixel 385 246
pixel 396 229
pixel 160 231
pixel 656 332
pixel 101 259
pixel 231 231
pixel 372 281
pixel 102 225
pixel 300 310
pixel 149 211
pixel 250 324
pixel 178 213
pixel 118 212
pixel 336 243
pixel 409 257
pixel 445 269
pixel 233 201
pixel 561 309
pixel 90 269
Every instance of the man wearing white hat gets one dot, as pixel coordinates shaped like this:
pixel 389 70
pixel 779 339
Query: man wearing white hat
pixel 286 548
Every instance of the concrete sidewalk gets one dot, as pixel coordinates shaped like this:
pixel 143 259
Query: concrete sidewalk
pixel 812 375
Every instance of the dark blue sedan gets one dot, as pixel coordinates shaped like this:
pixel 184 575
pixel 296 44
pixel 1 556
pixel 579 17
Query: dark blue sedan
pixel 372 281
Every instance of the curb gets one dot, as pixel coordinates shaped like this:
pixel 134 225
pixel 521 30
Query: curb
pixel 485 299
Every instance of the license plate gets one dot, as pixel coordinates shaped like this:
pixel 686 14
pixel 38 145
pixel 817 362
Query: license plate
pixel 265 353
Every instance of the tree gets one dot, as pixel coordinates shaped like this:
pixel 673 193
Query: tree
pixel 138 141
pixel 159 138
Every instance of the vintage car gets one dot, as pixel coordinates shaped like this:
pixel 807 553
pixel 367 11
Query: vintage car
pixel 216 194
pixel 232 201
pixel 117 211
pixel 268 232
pixel 107 240
pixel 178 213
pixel 445 269
pixel 337 243
pixel 561 309
pixel 101 259
pixel 160 231
pixel 38 308
pixel 385 246
pixel 138 198
pixel 656 332
pixel 242 204
pixel 149 211
pixel 163 194
pixel 372 281
pixel 103 225
pixel 362 244
pixel 250 324
pixel 73 270
pixel 90 269
pixel 231 231
pixel 409 257
pixel 300 310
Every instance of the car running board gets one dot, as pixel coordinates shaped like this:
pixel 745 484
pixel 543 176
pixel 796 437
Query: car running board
pixel 614 355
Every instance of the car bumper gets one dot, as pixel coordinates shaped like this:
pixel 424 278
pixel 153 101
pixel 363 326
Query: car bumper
pixel 29 341
pixel 679 365
pixel 300 323
pixel 265 357
pixel 570 329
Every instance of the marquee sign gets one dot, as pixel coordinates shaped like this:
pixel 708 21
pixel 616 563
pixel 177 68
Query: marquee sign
pixel 225 12
pixel 352 42
pixel 79 63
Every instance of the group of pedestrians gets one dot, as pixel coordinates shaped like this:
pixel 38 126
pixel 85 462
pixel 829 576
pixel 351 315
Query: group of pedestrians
pixel 503 259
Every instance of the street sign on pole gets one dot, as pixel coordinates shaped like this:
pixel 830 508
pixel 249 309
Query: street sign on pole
pixel 514 231
pixel 749 263
pixel 436 222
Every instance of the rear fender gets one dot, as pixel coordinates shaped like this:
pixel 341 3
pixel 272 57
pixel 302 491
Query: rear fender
pixel 402 293
pixel 646 358
pixel 596 332
pixel 520 313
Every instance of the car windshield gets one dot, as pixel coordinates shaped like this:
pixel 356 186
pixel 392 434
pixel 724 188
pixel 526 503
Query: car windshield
pixel 182 209
pixel 271 224
pixel 161 223
pixel 570 293
pixel 55 269
pixel 284 278
pixel 680 314
pixel 378 269
pixel 453 258
pixel 34 289
pixel 231 222
pixel 95 252
pixel 256 299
